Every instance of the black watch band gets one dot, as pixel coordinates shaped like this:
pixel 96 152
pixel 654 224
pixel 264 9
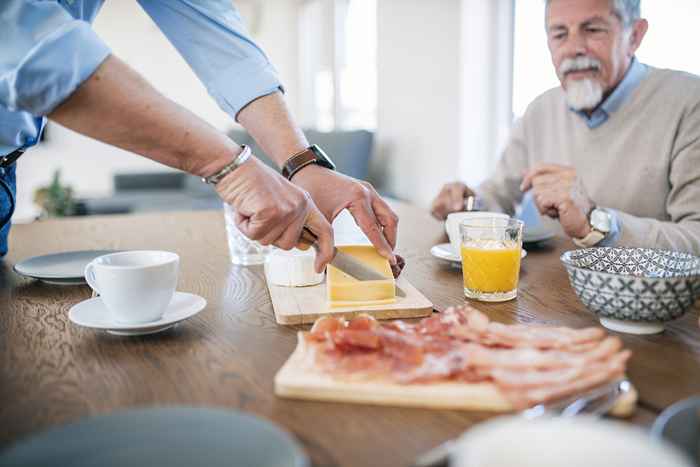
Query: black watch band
pixel 311 155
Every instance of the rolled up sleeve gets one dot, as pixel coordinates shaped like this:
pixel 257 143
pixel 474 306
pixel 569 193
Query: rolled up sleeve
pixel 45 54
pixel 211 37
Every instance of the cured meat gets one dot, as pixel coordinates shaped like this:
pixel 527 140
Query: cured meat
pixel 530 364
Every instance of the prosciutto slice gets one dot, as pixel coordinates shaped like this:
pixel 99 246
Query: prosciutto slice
pixel 530 364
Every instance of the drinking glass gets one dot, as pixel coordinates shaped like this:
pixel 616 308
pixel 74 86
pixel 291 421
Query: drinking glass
pixel 243 251
pixel 491 249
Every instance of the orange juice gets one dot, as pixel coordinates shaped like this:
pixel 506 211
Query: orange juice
pixel 490 270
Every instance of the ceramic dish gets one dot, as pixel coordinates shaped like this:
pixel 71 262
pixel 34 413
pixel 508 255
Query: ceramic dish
pixel 634 290
pixel 65 268
pixel 162 437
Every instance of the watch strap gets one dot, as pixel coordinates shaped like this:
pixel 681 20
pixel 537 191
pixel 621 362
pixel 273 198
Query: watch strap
pixel 311 155
pixel 240 159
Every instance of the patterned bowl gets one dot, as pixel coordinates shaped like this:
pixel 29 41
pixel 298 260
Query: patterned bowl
pixel 634 290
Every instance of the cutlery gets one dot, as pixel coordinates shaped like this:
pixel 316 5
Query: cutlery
pixel 597 401
pixel 347 263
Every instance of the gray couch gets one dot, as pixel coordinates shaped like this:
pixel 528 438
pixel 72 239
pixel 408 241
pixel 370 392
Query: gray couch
pixel 166 191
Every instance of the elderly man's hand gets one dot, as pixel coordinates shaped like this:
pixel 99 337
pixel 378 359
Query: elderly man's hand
pixel 273 211
pixel 334 192
pixel 450 199
pixel 559 193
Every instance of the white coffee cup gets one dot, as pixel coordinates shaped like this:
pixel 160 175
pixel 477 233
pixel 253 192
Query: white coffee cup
pixel 135 286
pixel 456 218
pixel 581 441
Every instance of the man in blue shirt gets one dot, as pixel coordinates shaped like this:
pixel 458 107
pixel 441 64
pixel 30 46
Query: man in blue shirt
pixel 53 65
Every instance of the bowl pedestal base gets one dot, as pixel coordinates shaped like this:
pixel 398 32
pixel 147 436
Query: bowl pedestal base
pixel 632 327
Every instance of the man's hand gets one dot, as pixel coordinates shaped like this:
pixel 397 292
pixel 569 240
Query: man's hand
pixel 450 199
pixel 334 192
pixel 559 193
pixel 273 211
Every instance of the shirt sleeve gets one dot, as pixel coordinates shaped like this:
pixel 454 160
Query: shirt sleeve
pixel 211 37
pixel 45 54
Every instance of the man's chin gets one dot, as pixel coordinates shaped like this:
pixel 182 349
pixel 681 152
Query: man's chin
pixel 583 94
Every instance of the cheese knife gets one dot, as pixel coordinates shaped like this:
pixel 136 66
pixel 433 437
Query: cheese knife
pixel 348 264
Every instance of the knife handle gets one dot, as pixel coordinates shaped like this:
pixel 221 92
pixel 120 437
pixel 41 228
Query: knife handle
pixel 307 239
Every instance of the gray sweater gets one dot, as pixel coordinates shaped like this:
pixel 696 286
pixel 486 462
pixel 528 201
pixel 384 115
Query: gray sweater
pixel 644 162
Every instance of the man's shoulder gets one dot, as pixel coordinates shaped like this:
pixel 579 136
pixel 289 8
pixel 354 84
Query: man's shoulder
pixel 666 82
pixel 552 100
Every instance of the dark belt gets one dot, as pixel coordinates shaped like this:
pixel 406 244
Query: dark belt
pixel 8 160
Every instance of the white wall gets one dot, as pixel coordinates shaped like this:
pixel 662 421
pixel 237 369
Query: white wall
pixel 418 96
pixel 89 165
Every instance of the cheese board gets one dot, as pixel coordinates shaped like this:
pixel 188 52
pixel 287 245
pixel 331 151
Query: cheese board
pixel 303 305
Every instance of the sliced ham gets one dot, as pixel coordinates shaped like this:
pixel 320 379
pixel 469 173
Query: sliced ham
pixel 530 364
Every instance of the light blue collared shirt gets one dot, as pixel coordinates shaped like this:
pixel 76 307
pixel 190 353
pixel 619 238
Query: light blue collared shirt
pixel 634 75
pixel 48 48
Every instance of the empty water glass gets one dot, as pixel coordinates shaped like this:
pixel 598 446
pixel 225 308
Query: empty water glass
pixel 243 250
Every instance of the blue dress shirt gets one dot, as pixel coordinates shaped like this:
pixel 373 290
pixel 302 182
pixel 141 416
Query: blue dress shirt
pixel 48 48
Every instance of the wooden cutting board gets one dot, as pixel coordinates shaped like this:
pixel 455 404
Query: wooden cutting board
pixel 300 305
pixel 295 380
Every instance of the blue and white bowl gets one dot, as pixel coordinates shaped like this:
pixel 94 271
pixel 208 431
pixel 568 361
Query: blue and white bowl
pixel 634 290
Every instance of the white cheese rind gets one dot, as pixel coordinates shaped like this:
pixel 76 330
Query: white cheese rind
pixel 294 268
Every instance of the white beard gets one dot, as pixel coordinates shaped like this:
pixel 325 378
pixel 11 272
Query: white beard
pixel 583 94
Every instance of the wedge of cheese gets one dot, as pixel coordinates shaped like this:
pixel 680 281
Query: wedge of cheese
pixel 344 290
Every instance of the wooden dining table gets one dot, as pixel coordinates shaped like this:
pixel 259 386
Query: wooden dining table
pixel 54 372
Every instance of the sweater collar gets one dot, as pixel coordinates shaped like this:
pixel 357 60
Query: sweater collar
pixel 634 75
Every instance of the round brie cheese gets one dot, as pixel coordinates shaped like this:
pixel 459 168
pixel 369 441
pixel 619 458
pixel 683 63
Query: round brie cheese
pixel 293 268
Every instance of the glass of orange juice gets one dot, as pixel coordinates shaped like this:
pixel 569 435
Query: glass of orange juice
pixel 491 249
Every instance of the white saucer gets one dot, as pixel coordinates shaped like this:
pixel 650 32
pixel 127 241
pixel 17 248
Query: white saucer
pixel 444 251
pixel 540 234
pixel 93 313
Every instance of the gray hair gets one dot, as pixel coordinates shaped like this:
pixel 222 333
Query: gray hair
pixel 628 11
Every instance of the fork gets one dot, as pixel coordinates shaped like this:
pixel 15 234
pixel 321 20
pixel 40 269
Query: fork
pixel 597 401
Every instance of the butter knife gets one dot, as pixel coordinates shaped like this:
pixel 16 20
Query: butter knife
pixel 346 263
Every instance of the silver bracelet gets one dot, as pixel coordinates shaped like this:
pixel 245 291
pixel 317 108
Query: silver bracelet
pixel 237 162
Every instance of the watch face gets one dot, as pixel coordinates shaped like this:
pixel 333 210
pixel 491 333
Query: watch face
pixel 600 220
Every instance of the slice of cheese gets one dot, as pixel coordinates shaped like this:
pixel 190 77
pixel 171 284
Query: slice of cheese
pixel 293 268
pixel 344 290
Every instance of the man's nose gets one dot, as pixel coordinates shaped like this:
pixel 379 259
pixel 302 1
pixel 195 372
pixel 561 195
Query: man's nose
pixel 575 45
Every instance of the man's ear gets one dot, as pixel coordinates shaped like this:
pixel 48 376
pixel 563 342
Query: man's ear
pixel 639 30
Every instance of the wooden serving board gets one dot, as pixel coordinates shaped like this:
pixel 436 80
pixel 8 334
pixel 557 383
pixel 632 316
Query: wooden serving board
pixel 300 305
pixel 296 380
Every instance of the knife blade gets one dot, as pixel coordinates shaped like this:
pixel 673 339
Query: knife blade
pixel 348 264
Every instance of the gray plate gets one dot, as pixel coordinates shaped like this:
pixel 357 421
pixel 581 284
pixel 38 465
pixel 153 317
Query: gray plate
pixel 67 267
pixel 171 437
pixel 680 424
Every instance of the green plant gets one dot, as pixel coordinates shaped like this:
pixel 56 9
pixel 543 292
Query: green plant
pixel 56 199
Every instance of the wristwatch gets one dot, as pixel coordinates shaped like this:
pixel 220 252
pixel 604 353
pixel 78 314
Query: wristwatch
pixel 311 155
pixel 230 167
pixel 600 221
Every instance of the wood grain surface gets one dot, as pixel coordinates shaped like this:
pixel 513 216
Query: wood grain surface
pixel 52 372
pixel 304 305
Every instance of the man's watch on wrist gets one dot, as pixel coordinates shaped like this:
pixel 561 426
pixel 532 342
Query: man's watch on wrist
pixel 239 160
pixel 600 221
pixel 311 155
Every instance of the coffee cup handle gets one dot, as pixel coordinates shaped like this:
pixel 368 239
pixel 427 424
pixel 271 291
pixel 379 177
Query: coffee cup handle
pixel 90 277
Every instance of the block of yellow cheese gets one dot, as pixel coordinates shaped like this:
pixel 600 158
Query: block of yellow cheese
pixel 344 290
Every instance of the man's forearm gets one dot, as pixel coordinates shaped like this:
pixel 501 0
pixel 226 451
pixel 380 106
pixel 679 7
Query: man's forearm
pixel 117 106
pixel 268 120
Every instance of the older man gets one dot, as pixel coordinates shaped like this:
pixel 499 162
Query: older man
pixel 614 154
